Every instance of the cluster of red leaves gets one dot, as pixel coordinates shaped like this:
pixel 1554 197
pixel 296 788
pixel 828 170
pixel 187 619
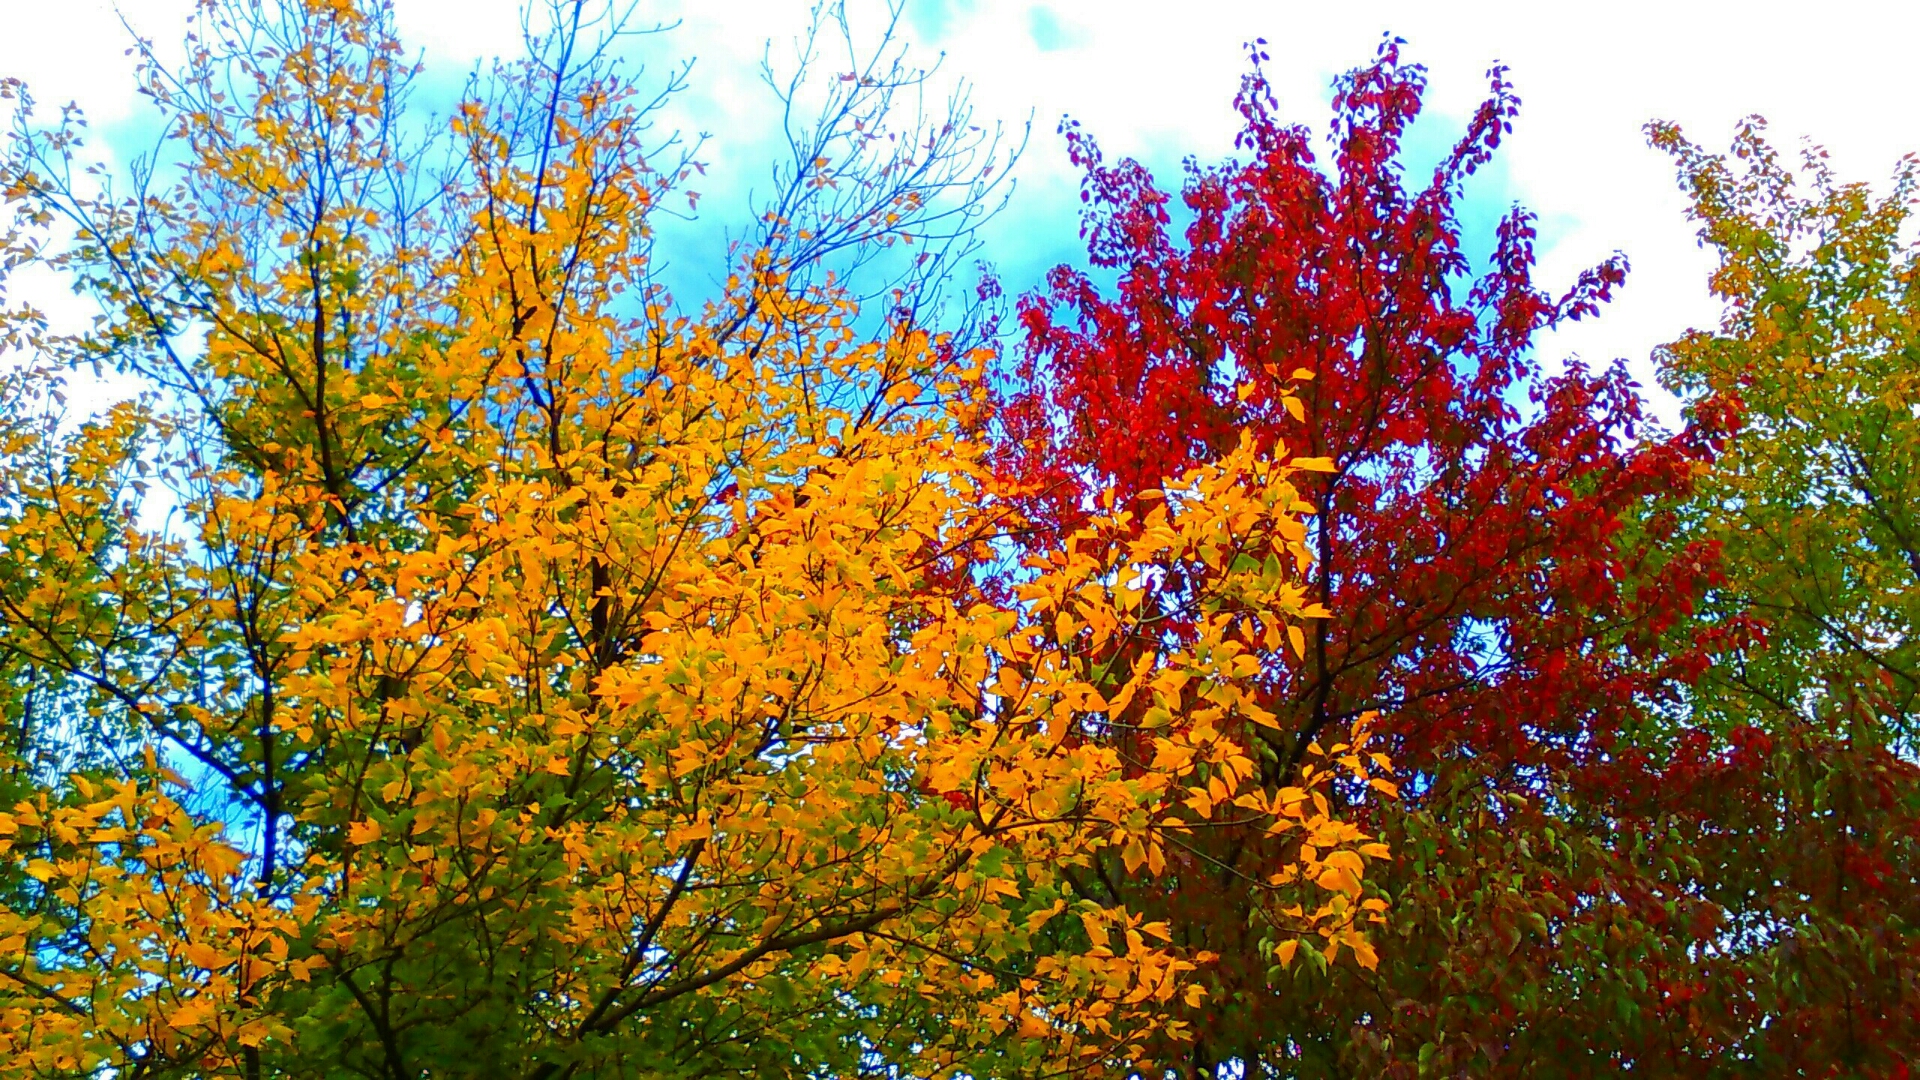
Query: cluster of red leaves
pixel 1466 537
pixel 1505 583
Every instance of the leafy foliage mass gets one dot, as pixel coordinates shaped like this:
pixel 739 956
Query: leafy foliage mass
pixel 469 659
pixel 531 673
pixel 1649 686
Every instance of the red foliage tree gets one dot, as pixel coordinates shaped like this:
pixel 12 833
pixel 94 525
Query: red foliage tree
pixel 1493 546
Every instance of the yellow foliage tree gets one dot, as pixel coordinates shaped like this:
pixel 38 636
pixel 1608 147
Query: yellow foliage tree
pixel 533 680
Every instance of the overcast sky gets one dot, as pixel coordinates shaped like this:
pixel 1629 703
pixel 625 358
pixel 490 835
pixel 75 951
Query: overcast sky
pixel 1155 79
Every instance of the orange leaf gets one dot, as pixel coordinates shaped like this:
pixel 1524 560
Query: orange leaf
pixel 1284 951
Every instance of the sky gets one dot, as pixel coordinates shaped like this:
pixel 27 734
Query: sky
pixel 1155 79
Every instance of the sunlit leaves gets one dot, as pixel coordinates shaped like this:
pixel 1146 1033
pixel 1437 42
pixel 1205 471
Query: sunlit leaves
pixel 534 671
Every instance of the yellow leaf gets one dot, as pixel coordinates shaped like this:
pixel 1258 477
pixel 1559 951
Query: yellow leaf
pixel 1363 951
pixel 1338 879
pixel 363 832
pixel 1040 918
pixel 1096 929
pixel 1347 860
pixel 193 1013
pixel 253 1033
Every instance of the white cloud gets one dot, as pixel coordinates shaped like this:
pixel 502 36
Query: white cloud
pixel 1155 79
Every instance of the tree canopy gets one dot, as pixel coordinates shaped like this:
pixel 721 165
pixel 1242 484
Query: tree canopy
pixel 1252 659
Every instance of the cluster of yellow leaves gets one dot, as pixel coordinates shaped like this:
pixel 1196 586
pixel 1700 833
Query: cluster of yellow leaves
pixel 587 673
pixel 770 764
pixel 1332 853
pixel 147 943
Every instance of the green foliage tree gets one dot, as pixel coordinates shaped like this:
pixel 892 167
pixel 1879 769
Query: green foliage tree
pixel 1808 836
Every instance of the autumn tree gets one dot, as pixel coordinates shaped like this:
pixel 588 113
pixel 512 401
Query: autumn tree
pixel 1502 587
pixel 1804 834
pixel 531 676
